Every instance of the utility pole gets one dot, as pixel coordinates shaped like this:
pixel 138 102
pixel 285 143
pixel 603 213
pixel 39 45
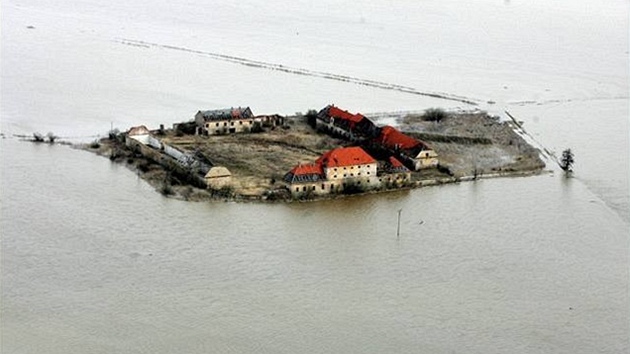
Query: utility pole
pixel 398 228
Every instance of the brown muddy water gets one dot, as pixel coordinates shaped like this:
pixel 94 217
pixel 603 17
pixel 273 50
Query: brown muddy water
pixel 93 260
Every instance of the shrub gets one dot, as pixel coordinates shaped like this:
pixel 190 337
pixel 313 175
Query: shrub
pixel 434 115
pixel 144 166
pixel 95 144
pixel 445 169
pixel 257 128
pixel 38 137
pixel 353 189
pixel 51 137
pixel 113 134
pixel 311 118
pixel 223 192
pixel 187 192
pixel 115 153
pixel 166 188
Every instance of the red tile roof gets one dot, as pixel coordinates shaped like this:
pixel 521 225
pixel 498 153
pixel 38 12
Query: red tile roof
pixel 350 156
pixel 391 138
pixel 339 113
pixel 309 169
pixel 395 163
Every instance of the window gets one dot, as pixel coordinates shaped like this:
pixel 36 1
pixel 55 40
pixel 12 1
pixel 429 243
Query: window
pixel 345 175
pixel 368 172
pixel 427 154
pixel 323 186
pixel 232 123
pixel 304 189
pixel 217 124
pixel 225 124
pixel 335 169
pixel 335 176
pixel 359 174
pixel 240 122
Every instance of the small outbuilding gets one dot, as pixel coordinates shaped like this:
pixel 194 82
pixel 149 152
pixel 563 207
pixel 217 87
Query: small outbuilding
pixel 140 133
pixel 218 177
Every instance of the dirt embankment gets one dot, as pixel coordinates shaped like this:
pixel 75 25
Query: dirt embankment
pixel 468 144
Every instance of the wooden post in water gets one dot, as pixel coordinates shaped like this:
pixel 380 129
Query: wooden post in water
pixel 398 227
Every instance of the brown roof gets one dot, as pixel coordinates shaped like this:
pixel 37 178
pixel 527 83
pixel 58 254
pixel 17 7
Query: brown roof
pixel 139 130
pixel 218 171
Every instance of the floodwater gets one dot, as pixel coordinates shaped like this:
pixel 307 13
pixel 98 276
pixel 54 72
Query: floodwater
pixel 94 260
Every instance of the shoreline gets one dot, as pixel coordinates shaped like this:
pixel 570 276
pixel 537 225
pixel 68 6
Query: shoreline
pixel 471 146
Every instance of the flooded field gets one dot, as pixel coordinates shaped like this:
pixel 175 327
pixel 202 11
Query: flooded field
pixel 94 260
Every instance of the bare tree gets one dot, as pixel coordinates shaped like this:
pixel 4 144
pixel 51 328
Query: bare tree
pixel 38 137
pixel 51 137
pixel 567 160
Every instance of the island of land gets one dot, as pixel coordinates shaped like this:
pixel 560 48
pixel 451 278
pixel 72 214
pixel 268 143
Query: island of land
pixel 231 154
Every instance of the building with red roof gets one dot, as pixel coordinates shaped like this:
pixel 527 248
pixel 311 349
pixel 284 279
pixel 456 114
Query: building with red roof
pixel 409 149
pixel 393 173
pixel 391 138
pixel 349 162
pixel 337 113
pixel 342 157
pixel 394 165
pixel 354 126
pixel 305 173
pixel 334 171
